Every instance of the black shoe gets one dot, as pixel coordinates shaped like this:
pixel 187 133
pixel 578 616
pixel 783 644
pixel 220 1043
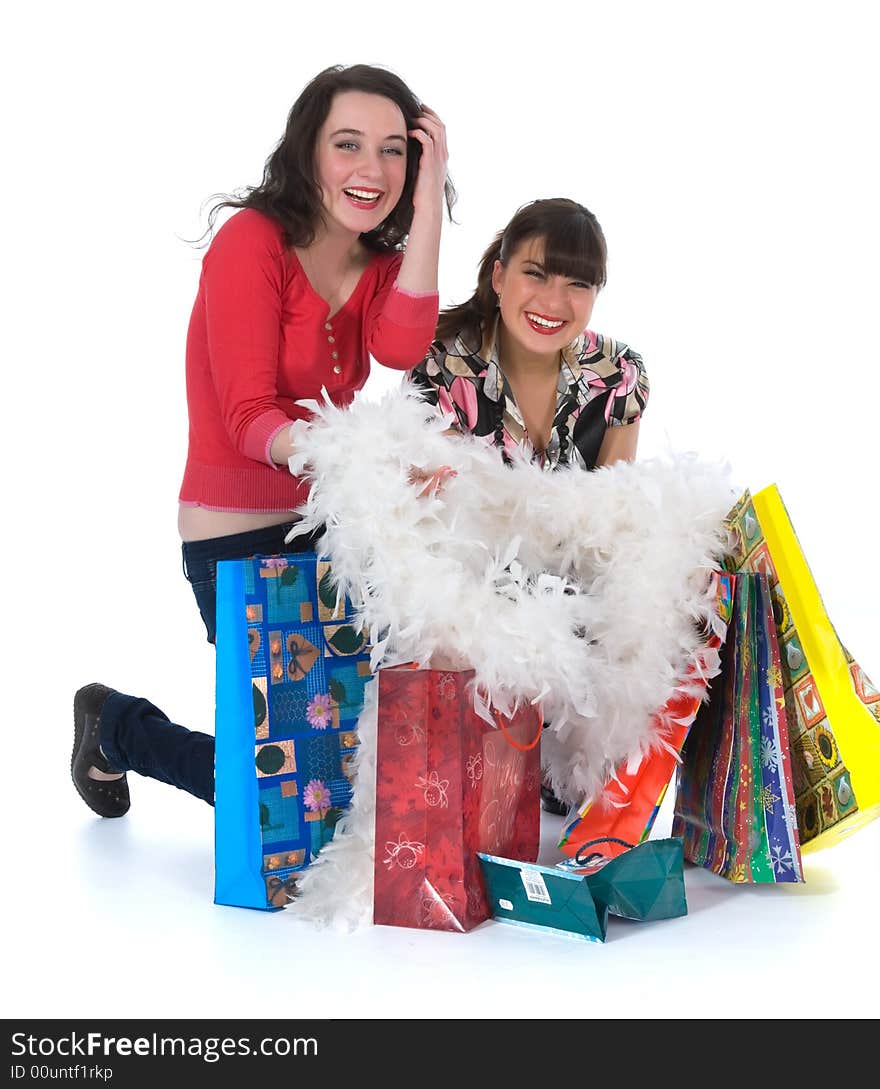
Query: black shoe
pixel 551 803
pixel 107 797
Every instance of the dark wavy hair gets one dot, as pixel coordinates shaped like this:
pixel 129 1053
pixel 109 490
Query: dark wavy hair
pixel 574 246
pixel 289 192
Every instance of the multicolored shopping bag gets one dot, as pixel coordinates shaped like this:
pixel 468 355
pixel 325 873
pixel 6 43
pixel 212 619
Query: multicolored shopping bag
pixel 291 672
pixel 735 804
pixel 832 708
pixel 448 784
pixel 631 800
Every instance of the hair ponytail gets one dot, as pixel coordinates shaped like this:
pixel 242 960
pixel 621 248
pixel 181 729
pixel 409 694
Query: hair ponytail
pixel 479 308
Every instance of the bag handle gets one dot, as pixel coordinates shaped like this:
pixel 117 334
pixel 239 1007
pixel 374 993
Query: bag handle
pixel 499 718
pixel 598 854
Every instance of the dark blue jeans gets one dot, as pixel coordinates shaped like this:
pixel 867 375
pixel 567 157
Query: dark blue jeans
pixel 135 735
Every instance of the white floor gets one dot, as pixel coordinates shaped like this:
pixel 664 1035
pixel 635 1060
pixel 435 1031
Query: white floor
pixel 135 895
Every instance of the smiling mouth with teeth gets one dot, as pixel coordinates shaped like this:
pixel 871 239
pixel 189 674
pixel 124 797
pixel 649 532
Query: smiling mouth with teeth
pixel 543 325
pixel 363 196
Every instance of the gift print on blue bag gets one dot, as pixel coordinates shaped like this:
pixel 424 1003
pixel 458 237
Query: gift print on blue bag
pixel 307 663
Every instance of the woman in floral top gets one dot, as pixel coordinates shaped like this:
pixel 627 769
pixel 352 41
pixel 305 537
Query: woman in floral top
pixel 516 363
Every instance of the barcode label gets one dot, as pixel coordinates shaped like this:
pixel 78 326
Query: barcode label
pixel 536 890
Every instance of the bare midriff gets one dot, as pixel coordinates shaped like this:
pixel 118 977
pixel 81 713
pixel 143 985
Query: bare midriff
pixel 200 523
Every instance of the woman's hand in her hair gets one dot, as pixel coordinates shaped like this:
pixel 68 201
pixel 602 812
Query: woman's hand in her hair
pixel 418 272
pixel 431 181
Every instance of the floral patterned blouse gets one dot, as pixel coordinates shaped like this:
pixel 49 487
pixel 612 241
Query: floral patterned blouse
pixel 602 384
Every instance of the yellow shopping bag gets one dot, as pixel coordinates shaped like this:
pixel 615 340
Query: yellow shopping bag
pixel 833 709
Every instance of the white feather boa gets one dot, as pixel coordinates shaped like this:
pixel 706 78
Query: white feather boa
pixel 580 592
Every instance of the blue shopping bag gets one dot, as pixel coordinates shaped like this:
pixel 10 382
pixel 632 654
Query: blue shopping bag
pixel 291 670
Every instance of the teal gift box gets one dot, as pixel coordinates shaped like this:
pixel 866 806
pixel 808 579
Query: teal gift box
pixel 575 898
pixel 542 898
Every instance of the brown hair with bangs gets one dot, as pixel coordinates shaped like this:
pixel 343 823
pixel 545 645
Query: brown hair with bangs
pixel 574 246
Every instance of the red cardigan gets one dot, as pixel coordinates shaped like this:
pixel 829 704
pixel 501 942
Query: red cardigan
pixel 260 339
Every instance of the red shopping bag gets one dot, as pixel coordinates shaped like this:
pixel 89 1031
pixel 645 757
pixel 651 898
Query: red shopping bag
pixel 448 785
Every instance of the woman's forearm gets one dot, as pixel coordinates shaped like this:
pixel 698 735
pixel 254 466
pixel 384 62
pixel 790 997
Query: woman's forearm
pixel 281 448
pixel 619 444
pixel 418 271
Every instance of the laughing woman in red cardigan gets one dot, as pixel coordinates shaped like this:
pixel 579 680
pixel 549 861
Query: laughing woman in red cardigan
pixel 330 260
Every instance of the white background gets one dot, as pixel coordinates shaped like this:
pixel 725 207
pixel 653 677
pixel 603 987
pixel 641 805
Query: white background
pixel 729 152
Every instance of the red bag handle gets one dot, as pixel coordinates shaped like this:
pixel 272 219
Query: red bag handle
pixel 499 718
